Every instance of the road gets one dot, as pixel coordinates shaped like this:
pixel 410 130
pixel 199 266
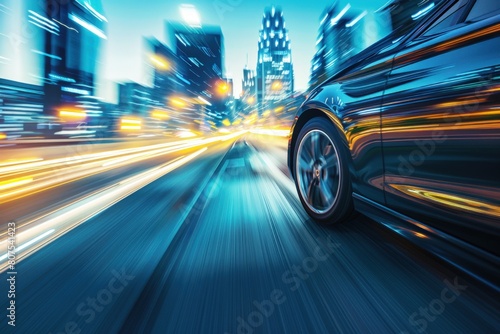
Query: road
pixel 208 236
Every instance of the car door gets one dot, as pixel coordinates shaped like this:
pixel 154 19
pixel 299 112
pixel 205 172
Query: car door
pixel 359 103
pixel 441 125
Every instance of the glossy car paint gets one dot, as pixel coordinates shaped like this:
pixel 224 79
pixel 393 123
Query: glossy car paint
pixel 421 118
pixel 441 132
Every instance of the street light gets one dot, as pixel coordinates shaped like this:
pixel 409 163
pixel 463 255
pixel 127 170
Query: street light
pixel 128 123
pixel 251 100
pixel 222 88
pixel 72 114
pixel 160 62
pixel 160 115
pixel 177 102
pixel 277 85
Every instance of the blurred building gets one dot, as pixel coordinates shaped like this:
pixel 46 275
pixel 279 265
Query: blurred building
pixel 164 72
pixel 22 41
pixel 200 53
pixel 134 98
pixel 74 32
pixel 230 82
pixel 404 13
pixel 21 65
pixel 19 104
pixel 49 58
pixel 275 80
pixel 319 61
pixel 248 90
pixel 249 84
pixel 343 33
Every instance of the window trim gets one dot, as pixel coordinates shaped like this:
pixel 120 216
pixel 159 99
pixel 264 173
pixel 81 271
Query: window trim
pixel 456 23
pixel 417 32
pixel 467 11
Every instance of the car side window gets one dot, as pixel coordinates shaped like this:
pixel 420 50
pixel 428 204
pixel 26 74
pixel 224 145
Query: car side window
pixel 449 19
pixel 482 8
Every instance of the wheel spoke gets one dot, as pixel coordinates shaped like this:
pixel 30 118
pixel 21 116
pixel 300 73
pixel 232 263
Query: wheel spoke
pixel 307 154
pixel 316 145
pixel 326 194
pixel 318 174
pixel 331 161
pixel 305 164
pixel 311 190
pixel 327 149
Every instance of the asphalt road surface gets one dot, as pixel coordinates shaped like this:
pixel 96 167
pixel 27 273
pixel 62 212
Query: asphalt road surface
pixel 212 238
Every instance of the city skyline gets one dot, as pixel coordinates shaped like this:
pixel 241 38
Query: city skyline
pixel 241 44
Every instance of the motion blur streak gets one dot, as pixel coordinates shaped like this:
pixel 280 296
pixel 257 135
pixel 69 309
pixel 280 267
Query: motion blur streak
pixel 15 182
pixel 206 234
pixel 29 243
pixel 278 133
pixel 19 161
pixel 79 211
pixel 50 174
pixel 451 200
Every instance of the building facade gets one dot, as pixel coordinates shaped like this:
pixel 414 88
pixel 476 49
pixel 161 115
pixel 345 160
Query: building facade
pixel 200 50
pixel 74 33
pixel 49 56
pixel 275 81
pixel 164 72
pixel 404 13
pixel 248 90
pixel 342 34
pixel 134 99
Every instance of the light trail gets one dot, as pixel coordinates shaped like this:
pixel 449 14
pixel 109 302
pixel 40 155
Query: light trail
pixel 59 222
pixel 47 174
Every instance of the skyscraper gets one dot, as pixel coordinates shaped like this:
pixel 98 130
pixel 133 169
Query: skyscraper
pixel 249 88
pixel 165 72
pixel 275 80
pixel 405 13
pixel 21 64
pixel 134 98
pixel 343 33
pixel 74 31
pixel 200 50
pixel 22 40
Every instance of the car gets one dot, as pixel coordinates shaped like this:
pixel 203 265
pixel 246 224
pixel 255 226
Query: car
pixel 408 133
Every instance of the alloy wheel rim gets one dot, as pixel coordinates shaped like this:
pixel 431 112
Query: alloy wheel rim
pixel 318 171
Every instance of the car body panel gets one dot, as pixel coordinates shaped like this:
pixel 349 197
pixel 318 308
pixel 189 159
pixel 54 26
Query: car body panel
pixel 421 119
pixel 353 104
pixel 441 132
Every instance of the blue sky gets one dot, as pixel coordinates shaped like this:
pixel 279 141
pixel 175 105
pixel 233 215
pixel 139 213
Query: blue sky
pixel 130 20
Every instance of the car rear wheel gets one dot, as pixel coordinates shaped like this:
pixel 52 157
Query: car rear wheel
pixel 322 172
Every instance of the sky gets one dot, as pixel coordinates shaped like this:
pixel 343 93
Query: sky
pixel 130 20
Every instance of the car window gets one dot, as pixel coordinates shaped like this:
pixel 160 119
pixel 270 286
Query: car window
pixel 482 8
pixel 447 20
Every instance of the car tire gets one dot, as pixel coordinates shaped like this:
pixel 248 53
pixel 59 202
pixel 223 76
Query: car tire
pixel 321 170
